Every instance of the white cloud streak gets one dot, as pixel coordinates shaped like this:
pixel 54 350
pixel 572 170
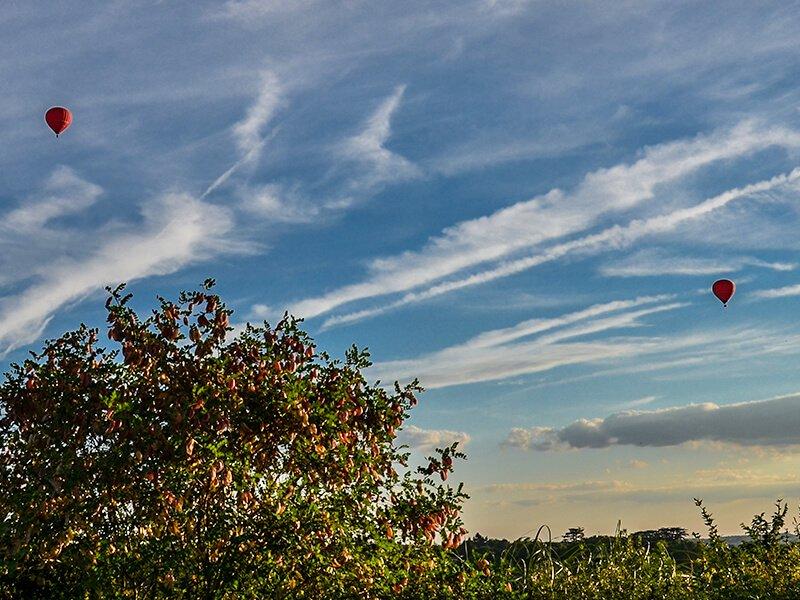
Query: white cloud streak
pixel 721 485
pixel 276 204
pixel 363 159
pixel 528 224
pixel 781 292
pixel 527 486
pixel 247 10
pixel 65 193
pixel 177 230
pixel 615 237
pixel 377 164
pixel 534 326
pixel 650 263
pixel 498 355
pixel 249 132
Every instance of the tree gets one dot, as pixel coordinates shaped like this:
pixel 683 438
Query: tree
pixel 183 465
pixel 666 534
pixel 573 534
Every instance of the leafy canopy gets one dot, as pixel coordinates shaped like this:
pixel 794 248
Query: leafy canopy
pixel 183 463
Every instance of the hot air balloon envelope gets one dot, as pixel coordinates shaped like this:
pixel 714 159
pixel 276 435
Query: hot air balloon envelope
pixel 58 119
pixel 724 290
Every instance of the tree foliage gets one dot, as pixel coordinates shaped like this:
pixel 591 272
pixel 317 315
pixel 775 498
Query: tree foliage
pixel 182 463
pixel 573 534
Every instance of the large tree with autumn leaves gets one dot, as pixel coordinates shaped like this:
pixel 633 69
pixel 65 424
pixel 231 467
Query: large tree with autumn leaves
pixel 186 462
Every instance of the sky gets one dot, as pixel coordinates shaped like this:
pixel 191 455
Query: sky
pixel 522 203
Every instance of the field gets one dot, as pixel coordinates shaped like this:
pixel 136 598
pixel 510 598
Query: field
pixel 764 566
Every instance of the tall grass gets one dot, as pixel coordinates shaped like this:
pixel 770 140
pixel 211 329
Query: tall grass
pixel 766 566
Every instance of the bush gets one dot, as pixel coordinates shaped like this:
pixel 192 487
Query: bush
pixel 182 465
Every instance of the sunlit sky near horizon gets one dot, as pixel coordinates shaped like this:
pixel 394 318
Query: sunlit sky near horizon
pixel 521 203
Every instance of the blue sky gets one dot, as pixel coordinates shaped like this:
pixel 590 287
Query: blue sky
pixel 522 203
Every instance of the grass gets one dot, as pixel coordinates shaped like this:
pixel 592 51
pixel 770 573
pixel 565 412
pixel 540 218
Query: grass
pixel 765 566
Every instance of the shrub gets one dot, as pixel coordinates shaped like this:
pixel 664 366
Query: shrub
pixel 185 464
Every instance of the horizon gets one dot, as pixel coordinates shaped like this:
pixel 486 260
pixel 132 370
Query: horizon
pixel 523 204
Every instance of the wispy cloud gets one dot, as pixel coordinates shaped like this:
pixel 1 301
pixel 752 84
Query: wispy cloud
pixel 363 163
pixel 247 10
pixel 64 193
pixel 482 153
pixel 534 326
pixel 654 263
pixel 497 355
pixel 530 486
pixel 615 237
pixel 176 230
pixel 781 292
pixel 696 350
pixel 249 132
pixel 376 164
pixel 774 422
pixel 641 401
pixel 719 485
pixel 529 224
pixel 277 204
pixel 35 231
pixel 509 7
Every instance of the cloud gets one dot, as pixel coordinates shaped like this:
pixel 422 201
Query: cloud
pixel 580 486
pixel 497 354
pixel 696 350
pixel 773 422
pixel 64 193
pixel 485 151
pixel 534 326
pixel 363 160
pixel 33 233
pixel 781 292
pixel 528 224
pixel 376 164
pixel 426 440
pixel 654 263
pixel 712 485
pixel 249 132
pixel 176 230
pixel 641 401
pixel 247 10
pixel 275 203
pixel 765 487
pixel 614 237
pixel 739 475
pixel 507 7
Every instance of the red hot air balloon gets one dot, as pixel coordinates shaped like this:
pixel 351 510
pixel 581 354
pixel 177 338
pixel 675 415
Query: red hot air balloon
pixel 724 290
pixel 58 119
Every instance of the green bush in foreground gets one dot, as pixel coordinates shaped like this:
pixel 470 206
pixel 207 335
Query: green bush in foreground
pixel 186 464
